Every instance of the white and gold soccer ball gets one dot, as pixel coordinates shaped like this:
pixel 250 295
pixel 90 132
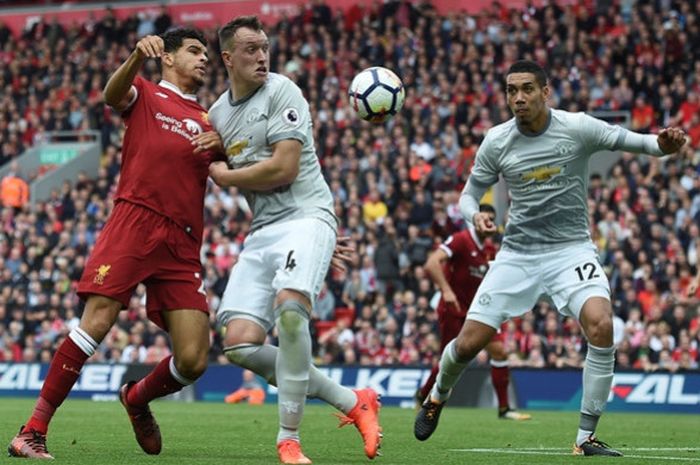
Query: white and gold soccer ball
pixel 376 94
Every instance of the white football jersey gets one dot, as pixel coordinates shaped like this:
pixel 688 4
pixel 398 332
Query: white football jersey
pixel 250 126
pixel 547 175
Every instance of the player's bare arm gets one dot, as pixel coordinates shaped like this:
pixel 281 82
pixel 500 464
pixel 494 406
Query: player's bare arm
pixel 208 141
pixel 433 266
pixel 118 92
pixel 279 170
pixel 671 140
pixel 343 253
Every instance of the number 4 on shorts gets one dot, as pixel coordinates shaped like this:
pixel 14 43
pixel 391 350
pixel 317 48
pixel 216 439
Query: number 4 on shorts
pixel 291 263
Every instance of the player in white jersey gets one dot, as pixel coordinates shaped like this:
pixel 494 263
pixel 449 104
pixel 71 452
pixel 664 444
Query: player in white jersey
pixel 543 155
pixel 265 123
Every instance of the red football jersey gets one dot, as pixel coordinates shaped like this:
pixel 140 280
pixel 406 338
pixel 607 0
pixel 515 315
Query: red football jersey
pixel 467 265
pixel 159 169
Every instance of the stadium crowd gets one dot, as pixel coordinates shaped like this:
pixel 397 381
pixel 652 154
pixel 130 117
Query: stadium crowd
pixel 396 187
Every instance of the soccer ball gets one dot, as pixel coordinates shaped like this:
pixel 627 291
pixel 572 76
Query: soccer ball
pixel 376 94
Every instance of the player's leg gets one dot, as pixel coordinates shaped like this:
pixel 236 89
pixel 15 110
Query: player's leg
pixel 177 303
pixel 98 317
pixel 450 325
pixel 500 378
pixel 457 354
pixel 303 256
pixel 292 310
pixel 579 287
pixel 244 346
pixel 509 289
pixel 189 334
pixel 596 320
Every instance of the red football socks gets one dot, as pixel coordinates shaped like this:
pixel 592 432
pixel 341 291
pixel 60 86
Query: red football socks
pixel 500 377
pixel 160 382
pixel 63 373
pixel 428 386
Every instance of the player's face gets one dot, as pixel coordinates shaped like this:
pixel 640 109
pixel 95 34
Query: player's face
pixel 249 57
pixel 526 98
pixel 190 61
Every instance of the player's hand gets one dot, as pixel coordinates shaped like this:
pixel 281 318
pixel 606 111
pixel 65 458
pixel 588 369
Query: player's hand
pixel 483 224
pixel 451 299
pixel 150 47
pixel 670 140
pixel 693 288
pixel 210 140
pixel 342 253
pixel 217 169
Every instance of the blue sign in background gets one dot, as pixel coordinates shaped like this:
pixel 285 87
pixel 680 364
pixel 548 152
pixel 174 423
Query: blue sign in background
pixel 534 389
pixel 631 391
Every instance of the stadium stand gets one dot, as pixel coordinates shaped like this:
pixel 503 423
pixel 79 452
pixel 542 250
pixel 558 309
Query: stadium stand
pixel 395 186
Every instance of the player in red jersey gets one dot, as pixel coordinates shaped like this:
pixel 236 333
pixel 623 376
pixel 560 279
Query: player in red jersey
pixel 457 268
pixel 153 236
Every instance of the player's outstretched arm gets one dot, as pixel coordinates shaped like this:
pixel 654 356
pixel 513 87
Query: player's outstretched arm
pixel 667 141
pixel 118 93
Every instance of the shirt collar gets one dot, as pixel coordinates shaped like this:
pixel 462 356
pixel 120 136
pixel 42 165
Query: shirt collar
pixel 173 88
pixel 475 236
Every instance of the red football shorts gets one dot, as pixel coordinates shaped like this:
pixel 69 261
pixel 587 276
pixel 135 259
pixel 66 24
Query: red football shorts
pixel 136 246
pixel 450 323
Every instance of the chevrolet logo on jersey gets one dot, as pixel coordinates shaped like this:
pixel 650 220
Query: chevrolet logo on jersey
pixel 236 147
pixel 541 174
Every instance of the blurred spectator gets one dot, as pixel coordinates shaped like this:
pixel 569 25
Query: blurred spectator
pixel 14 191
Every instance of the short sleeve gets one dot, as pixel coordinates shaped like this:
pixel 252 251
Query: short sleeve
pixel 138 85
pixel 453 245
pixel 289 116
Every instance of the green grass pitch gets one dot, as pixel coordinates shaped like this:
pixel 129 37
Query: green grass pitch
pixel 98 433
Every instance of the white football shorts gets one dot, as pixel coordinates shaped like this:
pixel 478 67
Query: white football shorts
pixel 291 255
pixel 515 281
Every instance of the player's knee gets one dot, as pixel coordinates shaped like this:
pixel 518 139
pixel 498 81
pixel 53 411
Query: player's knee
pixel 240 331
pixel 99 317
pixel 600 332
pixel 191 364
pixel 291 318
pixel 498 352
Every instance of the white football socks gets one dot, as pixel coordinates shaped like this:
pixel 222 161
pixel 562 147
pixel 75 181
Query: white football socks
pixel 597 380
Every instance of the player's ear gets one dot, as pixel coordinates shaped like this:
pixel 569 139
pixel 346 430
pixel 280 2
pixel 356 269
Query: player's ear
pixel 226 58
pixel 167 59
pixel 546 92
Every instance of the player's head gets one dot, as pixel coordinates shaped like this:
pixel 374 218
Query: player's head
pixel 527 93
pixel 245 50
pixel 488 209
pixel 185 56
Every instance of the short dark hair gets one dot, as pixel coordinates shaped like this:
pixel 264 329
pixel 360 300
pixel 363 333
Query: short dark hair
pixel 487 208
pixel 173 39
pixel 527 66
pixel 227 32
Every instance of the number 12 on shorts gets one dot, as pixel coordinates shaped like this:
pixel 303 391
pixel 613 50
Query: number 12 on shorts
pixel 587 271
